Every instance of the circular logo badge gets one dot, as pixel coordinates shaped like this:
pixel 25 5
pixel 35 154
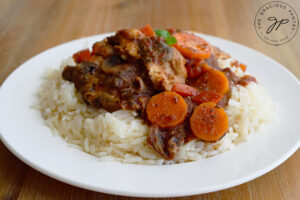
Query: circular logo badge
pixel 276 23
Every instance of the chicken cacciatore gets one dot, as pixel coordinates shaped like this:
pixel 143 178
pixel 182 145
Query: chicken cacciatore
pixel 171 78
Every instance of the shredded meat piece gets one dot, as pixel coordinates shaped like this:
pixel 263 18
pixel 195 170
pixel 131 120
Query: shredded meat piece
pixel 83 75
pixel 234 79
pixel 103 48
pixel 246 79
pixel 166 142
pixel 186 124
pixel 86 81
pixel 126 43
pixel 165 64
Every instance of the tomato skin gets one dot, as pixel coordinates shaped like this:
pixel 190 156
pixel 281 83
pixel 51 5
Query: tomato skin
pixel 147 30
pixel 207 96
pixel 184 90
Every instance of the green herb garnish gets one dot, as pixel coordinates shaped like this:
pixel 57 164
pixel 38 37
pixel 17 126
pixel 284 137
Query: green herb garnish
pixel 163 33
pixel 170 40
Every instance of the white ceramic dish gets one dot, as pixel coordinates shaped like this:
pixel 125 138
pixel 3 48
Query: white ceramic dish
pixel 24 133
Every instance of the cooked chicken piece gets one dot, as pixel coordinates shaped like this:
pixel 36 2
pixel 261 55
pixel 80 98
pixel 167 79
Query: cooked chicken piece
pixel 159 78
pixel 166 142
pixel 124 67
pixel 85 78
pixel 112 85
pixel 178 64
pixel 103 48
pixel 126 43
pixel 97 60
pixel 165 64
pixel 83 75
pixel 102 99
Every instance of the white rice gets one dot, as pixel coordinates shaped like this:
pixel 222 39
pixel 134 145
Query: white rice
pixel 122 136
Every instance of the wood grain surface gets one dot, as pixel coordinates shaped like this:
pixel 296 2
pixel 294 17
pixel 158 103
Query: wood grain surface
pixel 29 27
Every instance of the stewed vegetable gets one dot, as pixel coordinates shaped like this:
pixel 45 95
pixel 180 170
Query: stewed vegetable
pixel 209 122
pixel 166 109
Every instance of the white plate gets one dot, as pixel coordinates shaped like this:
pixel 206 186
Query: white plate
pixel 24 133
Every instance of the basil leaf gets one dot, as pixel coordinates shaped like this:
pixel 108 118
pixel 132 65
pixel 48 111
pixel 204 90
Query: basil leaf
pixel 171 40
pixel 163 33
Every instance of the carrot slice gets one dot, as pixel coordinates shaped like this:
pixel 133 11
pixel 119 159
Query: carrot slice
pixel 166 109
pixel 147 30
pixel 184 90
pixel 207 96
pixel 83 55
pixel 192 46
pixel 213 80
pixel 208 122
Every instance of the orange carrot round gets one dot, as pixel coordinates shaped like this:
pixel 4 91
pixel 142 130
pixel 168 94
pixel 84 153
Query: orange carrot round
pixel 192 46
pixel 213 80
pixel 166 109
pixel 208 122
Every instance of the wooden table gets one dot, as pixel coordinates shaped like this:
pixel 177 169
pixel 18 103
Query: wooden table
pixel 29 27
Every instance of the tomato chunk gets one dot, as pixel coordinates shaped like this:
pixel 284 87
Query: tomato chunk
pixel 147 30
pixel 184 90
pixel 83 55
